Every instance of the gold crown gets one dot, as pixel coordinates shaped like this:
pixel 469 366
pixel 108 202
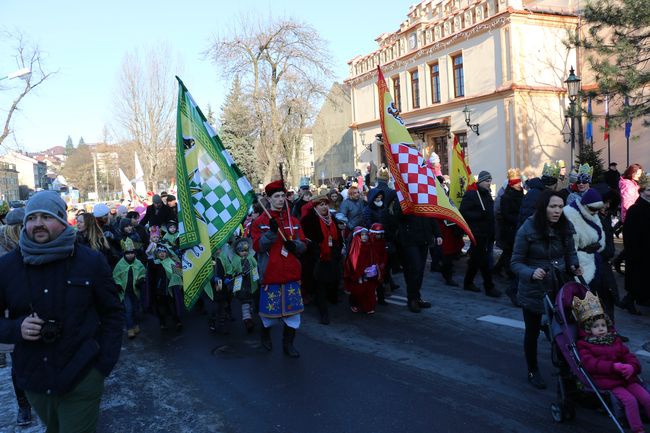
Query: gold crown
pixel 551 170
pixel 514 173
pixel 560 163
pixel 128 245
pixel 587 308
pixel 585 169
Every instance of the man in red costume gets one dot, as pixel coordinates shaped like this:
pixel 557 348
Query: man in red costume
pixel 278 240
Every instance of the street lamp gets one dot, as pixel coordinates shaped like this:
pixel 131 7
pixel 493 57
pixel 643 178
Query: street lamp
pixel 362 136
pixel 468 120
pixel 573 89
pixel 21 73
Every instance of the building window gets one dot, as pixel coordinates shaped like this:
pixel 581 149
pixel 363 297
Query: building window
pixel 459 86
pixel 415 88
pixel 435 83
pixel 396 93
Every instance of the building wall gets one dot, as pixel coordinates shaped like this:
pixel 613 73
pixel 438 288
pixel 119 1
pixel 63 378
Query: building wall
pixel 26 167
pixel 333 151
pixel 514 64
pixel 304 161
pixel 8 182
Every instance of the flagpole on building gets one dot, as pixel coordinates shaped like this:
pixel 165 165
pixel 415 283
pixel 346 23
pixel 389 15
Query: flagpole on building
pixel 628 130
pixel 609 151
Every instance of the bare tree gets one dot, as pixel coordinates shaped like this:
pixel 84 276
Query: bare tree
pixel 26 55
pixel 145 108
pixel 285 64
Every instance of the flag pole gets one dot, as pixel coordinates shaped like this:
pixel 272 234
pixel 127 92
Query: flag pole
pixel 266 211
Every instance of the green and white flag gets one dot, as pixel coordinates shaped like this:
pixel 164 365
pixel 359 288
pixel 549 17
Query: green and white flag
pixel 213 195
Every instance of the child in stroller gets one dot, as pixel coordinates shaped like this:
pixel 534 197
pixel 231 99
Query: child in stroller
pixel 609 362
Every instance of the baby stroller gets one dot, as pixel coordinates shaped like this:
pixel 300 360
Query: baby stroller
pixel 573 380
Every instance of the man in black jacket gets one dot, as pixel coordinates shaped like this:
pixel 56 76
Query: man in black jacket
pixel 65 317
pixel 477 207
pixel 414 235
pixel 157 214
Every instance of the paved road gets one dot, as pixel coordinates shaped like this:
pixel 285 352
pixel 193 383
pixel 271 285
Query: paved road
pixel 440 371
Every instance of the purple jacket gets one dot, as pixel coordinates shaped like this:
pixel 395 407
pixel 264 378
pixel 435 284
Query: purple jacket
pixel 599 360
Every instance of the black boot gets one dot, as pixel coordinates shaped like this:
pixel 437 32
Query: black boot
pixel 288 335
pixel 266 338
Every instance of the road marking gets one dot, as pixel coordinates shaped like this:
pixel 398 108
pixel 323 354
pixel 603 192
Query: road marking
pixel 497 320
pixel 390 301
pixel 643 353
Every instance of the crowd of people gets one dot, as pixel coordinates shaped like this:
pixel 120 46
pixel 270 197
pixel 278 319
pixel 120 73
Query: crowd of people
pixel 310 247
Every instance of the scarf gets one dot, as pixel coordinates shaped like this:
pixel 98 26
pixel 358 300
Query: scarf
pixel 56 249
pixel 605 340
pixel 329 232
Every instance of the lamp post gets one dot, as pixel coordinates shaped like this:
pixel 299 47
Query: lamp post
pixel 21 73
pixel 573 89
pixel 468 120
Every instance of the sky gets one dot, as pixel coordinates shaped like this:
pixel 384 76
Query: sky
pixel 86 41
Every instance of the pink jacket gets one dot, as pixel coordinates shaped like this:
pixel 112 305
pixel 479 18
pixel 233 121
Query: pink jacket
pixel 599 360
pixel 629 194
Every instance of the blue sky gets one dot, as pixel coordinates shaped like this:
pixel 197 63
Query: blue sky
pixel 86 42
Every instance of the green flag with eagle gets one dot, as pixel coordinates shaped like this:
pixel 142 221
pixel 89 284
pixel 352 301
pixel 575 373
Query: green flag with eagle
pixel 213 195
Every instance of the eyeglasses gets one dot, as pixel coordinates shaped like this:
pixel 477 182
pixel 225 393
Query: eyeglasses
pixel 582 182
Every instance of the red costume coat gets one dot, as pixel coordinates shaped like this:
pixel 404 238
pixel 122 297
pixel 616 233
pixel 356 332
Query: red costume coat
pixel 277 267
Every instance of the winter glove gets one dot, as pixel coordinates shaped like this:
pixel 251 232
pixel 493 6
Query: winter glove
pixel 626 370
pixel 290 246
pixel 591 248
pixel 273 225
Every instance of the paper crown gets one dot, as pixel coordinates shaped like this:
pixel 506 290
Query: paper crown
pixel 551 170
pixel 560 163
pixel 585 171
pixel 514 173
pixel 127 245
pixel 154 231
pixel 587 308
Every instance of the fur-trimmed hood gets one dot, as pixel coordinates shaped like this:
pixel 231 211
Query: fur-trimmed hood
pixel 589 230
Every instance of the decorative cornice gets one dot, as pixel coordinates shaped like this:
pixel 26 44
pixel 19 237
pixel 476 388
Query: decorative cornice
pixel 411 58
pixel 437 109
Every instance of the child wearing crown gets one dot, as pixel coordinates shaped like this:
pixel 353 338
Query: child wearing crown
pixel 609 362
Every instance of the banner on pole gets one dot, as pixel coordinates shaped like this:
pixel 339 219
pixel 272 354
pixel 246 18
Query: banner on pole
pixel 213 195
pixel 418 190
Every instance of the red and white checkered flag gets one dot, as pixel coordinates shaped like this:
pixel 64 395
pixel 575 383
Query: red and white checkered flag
pixel 418 190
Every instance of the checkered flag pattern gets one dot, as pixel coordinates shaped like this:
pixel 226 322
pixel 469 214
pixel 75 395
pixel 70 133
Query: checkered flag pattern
pixel 215 199
pixel 416 175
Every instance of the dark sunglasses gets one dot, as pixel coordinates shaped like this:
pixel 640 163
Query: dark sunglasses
pixel 582 182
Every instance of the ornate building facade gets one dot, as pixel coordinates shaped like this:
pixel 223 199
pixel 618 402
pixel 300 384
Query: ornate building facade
pixel 505 60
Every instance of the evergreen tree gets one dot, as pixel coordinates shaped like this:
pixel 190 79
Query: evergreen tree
pixel 618 46
pixel 81 141
pixel 69 147
pixel 592 157
pixel 238 132
pixel 212 120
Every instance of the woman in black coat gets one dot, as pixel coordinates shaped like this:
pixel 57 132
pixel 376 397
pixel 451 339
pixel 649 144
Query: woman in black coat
pixel 636 236
pixel 323 255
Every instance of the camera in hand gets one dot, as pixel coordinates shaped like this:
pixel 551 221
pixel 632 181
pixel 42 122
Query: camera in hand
pixel 50 331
